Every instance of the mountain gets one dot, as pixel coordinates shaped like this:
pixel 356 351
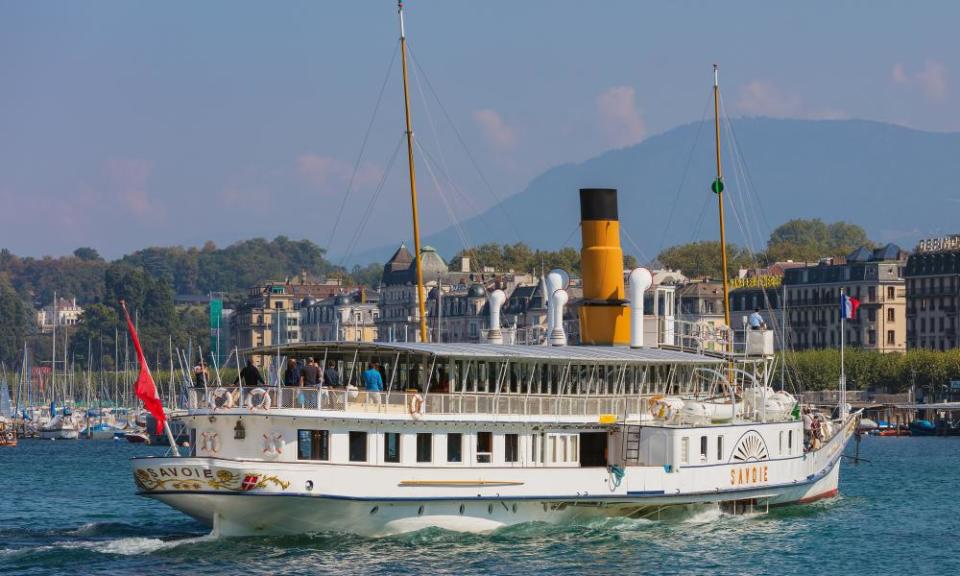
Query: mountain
pixel 896 182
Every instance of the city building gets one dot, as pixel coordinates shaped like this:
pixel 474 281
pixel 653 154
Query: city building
pixel 350 317
pixel 874 277
pixel 270 315
pixel 933 294
pixel 63 312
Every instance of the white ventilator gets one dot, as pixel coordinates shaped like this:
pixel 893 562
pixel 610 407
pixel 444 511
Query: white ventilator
pixel 557 279
pixel 640 280
pixel 558 337
pixel 495 301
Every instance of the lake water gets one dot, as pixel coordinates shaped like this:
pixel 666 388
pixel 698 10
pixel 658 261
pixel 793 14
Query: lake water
pixel 68 507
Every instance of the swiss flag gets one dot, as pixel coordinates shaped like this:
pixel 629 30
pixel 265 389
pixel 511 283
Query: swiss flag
pixel 145 388
pixel 249 482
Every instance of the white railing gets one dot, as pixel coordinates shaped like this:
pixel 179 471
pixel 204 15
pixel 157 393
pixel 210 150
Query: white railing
pixel 413 403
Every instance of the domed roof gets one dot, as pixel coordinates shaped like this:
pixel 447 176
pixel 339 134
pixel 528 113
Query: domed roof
pixel 477 291
pixel 432 263
pixel 307 302
pixel 342 299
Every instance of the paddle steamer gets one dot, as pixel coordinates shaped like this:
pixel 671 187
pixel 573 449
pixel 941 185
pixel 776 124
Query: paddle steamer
pixel 473 437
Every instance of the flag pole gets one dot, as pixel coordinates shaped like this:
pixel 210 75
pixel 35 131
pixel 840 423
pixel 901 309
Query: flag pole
pixel 843 373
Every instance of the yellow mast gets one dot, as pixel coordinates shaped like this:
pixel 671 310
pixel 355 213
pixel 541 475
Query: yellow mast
pixel 717 188
pixel 421 292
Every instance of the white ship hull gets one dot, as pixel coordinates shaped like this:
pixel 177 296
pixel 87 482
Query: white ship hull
pixel 243 497
pixel 59 434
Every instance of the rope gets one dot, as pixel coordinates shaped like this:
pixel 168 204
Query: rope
pixel 363 146
pixel 373 200
pixel 463 144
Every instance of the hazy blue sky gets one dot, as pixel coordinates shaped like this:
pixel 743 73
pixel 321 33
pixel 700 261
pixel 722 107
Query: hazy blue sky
pixel 125 124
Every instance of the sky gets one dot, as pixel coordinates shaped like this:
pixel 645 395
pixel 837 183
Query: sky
pixel 126 124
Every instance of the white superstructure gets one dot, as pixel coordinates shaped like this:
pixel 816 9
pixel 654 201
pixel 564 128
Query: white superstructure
pixel 499 435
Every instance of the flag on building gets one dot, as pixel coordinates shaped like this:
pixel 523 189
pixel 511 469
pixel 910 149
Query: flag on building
pixel 848 307
pixel 145 388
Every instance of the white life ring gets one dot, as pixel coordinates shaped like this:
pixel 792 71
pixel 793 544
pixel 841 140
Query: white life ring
pixel 264 401
pixel 415 406
pixel 210 442
pixel 353 392
pixel 272 444
pixel 220 398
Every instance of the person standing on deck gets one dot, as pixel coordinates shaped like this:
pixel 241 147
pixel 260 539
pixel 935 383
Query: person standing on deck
pixel 292 375
pixel 250 375
pixel 756 321
pixel 200 374
pixel 331 377
pixel 373 382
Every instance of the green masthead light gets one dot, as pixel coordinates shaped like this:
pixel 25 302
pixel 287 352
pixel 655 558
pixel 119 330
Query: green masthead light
pixel 717 186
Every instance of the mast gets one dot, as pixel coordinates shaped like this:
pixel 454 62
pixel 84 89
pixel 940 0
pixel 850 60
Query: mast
pixel 717 188
pixel 421 296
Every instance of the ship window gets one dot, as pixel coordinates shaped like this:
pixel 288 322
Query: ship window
pixel 358 446
pixel 511 447
pixel 313 445
pixel 484 447
pixel 790 441
pixel 455 447
pixel 684 450
pixel 391 447
pixel 703 448
pixel 424 447
pixel 534 448
pixel 719 448
pixel 781 442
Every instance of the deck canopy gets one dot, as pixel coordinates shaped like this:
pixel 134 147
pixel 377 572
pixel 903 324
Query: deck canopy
pixel 618 355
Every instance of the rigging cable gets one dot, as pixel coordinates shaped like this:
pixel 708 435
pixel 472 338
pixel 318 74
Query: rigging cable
pixel 363 146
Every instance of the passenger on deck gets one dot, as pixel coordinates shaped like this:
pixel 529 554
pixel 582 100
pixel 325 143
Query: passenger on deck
pixel 807 427
pixel 756 321
pixel 292 376
pixel 331 377
pixel 250 375
pixel 311 374
pixel 200 374
pixel 373 382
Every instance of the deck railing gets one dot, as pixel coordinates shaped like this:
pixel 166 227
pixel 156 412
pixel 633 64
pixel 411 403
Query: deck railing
pixel 416 404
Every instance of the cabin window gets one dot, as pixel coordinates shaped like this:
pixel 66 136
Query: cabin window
pixel 534 447
pixel 781 442
pixel 313 444
pixel 358 446
pixel 790 441
pixel 484 447
pixel 684 450
pixel 455 447
pixel 391 447
pixel 552 443
pixel 703 448
pixel 719 448
pixel 511 447
pixel 424 447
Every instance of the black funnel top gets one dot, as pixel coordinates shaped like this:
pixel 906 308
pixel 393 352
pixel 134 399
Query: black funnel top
pixel 598 204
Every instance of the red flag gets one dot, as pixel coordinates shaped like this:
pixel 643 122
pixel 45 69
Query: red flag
pixel 146 389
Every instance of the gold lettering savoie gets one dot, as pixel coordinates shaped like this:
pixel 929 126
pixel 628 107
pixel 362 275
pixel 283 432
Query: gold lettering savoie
pixel 754 474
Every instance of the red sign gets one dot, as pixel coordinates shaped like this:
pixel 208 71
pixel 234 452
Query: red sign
pixel 249 482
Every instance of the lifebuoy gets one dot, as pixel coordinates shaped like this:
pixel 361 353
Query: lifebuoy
pixel 272 444
pixel 210 442
pixel 652 403
pixel 263 403
pixel 415 406
pixel 221 398
pixel 9 436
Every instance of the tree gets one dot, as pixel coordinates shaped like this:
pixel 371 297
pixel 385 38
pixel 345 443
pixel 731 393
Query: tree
pixel 809 240
pixel 14 321
pixel 702 259
pixel 87 254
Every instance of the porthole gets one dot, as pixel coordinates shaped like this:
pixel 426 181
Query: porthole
pixel 462 508
pixel 420 511
pixel 514 507
pixel 489 508
pixel 309 485
pixel 374 510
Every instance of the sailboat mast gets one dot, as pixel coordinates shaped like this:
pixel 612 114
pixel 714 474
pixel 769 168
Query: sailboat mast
pixel 717 188
pixel 421 292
